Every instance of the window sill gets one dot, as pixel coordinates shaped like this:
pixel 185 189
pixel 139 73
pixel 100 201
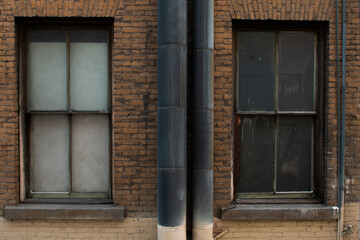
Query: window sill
pixel 280 212
pixel 63 211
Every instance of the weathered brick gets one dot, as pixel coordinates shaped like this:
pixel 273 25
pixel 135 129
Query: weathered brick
pixel 135 106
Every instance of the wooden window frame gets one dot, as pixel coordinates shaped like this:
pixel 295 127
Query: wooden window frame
pixel 317 194
pixel 24 25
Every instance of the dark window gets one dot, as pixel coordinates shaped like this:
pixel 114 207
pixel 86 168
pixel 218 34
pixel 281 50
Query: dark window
pixel 277 113
pixel 67 111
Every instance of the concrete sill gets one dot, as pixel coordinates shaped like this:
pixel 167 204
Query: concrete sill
pixel 63 211
pixel 280 212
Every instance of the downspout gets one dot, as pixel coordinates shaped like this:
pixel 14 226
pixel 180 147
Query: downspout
pixel 172 110
pixel 359 44
pixel 338 114
pixel 342 137
pixel 202 197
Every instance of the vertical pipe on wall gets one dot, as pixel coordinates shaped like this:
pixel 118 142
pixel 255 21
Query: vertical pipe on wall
pixel 171 154
pixel 338 113
pixel 203 120
pixel 359 45
pixel 342 137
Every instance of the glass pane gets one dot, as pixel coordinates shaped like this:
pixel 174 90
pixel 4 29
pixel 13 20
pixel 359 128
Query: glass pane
pixel 89 70
pixel 47 70
pixel 294 154
pixel 296 71
pixel 256 71
pixel 90 153
pixel 256 154
pixel 49 148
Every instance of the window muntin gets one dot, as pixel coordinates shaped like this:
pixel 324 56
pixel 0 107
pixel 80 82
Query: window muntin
pixel 68 112
pixel 276 113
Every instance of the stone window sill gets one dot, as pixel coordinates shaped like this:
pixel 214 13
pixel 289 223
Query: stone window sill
pixel 63 211
pixel 280 212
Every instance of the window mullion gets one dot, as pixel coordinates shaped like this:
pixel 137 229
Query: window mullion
pixel 69 106
pixel 29 170
pixel 315 76
pixel 312 155
pixel 30 161
pixel 276 103
pixel 68 69
pixel 276 140
pixel 276 95
pixel 70 153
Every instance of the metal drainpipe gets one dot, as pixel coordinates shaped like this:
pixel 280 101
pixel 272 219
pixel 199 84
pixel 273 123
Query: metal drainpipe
pixel 342 140
pixel 202 197
pixel 172 110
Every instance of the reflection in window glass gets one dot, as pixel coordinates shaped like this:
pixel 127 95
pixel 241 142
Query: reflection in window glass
pixel 296 71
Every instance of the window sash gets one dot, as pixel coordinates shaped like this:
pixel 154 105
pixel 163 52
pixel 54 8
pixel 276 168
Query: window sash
pixel 69 160
pixel 28 112
pixel 241 108
pixel 73 42
pixel 274 161
pixel 276 113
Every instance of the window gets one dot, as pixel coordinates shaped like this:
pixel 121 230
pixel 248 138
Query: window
pixel 67 111
pixel 277 113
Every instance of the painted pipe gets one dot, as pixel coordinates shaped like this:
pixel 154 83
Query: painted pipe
pixel 172 112
pixel 338 236
pixel 203 121
pixel 338 97
pixel 342 137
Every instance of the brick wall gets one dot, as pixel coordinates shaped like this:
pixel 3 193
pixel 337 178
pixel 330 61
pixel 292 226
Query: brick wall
pixel 130 228
pixel 351 217
pixel 134 228
pixel 134 112
pixel 256 230
pixel 225 11
pixel 135 106
pixel 307 10
pixel 9 139
pixel 134 96
pixel 352 167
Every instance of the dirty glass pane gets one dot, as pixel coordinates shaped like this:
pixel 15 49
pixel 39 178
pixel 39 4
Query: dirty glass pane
pixel 90 153
pixel 294 153
pixel 296 71
pixel 89 70
pixel 47 70
pixel 49 153
pixel 256 154
pixel 256 71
